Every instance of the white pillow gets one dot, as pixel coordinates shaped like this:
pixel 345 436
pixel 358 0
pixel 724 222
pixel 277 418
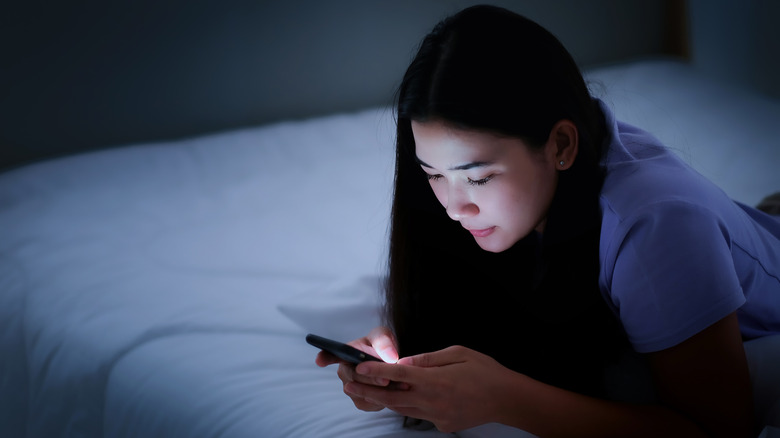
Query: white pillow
pixel 346 310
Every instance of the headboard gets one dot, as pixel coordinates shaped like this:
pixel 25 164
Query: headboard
pixel 91 74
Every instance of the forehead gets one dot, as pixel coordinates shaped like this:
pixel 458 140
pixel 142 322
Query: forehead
pixel 441 144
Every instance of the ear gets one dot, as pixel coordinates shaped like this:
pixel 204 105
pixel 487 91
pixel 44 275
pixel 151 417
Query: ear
pixel 563 144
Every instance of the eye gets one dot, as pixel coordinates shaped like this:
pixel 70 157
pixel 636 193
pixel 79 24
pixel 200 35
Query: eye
pixel 480 182
pixel 433 177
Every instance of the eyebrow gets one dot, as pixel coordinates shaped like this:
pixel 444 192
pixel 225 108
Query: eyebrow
pixel 466 166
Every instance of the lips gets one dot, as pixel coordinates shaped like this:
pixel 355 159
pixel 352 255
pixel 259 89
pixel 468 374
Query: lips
pixel 483 232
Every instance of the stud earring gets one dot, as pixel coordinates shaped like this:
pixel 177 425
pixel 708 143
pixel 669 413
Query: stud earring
pixel 561 163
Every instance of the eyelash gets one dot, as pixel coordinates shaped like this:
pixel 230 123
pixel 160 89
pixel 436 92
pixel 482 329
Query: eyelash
pixel 479 182
pixel 472 182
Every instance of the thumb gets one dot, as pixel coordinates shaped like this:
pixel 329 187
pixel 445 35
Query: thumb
pixel 382 341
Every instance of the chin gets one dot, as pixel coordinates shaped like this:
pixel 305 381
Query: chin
pixel 493 246
pixel 499 242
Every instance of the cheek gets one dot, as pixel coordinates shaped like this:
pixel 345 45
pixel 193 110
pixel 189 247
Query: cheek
pixel 440 191
pixel 508 201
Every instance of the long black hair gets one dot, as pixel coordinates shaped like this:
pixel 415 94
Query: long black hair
pixel 535 307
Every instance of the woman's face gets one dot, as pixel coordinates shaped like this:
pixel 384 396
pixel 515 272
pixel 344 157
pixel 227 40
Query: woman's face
pixel 498 188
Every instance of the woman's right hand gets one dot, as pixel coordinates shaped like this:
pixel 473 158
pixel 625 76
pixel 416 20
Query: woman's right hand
pixel 380 343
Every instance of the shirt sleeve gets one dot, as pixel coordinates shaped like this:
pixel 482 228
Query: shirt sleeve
pixel 673 274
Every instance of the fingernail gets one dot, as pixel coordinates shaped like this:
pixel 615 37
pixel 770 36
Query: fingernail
pixel 389 354
pixel 381 381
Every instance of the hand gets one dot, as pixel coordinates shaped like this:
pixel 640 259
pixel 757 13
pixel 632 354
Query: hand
pixel 380 343
pixel 455 388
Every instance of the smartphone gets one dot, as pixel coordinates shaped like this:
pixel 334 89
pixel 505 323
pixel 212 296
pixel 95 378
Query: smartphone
pixel 339 349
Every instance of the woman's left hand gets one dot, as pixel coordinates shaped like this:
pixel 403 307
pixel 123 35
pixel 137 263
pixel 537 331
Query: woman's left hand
pixel 455 388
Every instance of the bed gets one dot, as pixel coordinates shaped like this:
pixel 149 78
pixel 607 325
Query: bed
pixel 164 289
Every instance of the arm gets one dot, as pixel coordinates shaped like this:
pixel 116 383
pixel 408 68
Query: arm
pixel 703 383
pixel 703 386
pixel 707 377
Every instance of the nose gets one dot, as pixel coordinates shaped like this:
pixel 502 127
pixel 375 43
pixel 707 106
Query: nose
pixel 459 206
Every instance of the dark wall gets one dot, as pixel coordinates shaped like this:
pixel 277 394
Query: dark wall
pixel 738 42
pixel 89 74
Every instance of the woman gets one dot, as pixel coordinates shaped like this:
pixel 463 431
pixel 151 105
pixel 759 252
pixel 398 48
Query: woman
pixel 567 241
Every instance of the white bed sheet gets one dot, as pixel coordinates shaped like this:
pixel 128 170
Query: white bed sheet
pixel 730 135
pixel 164 289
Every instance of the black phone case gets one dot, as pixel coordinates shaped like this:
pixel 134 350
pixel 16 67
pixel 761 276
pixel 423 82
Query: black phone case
pixel 339 349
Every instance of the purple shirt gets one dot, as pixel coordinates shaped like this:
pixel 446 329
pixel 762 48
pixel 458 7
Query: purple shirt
pixel 677 254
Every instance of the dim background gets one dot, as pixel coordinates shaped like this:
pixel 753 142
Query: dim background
pixel 81 75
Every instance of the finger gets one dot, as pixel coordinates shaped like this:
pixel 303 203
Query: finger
pixel 365 405
pixel 324 359
pixel 383 342
pixel 360 402
pixel 391 372
pixel 346 373
pixel 448 356
pixel 392 399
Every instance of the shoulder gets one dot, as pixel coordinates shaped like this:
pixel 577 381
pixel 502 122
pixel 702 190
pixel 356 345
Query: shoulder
pixel 663 203
pixel 668 271
pixel 660 226
pixel 654 204
pixel 666 243
pixel 645 178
